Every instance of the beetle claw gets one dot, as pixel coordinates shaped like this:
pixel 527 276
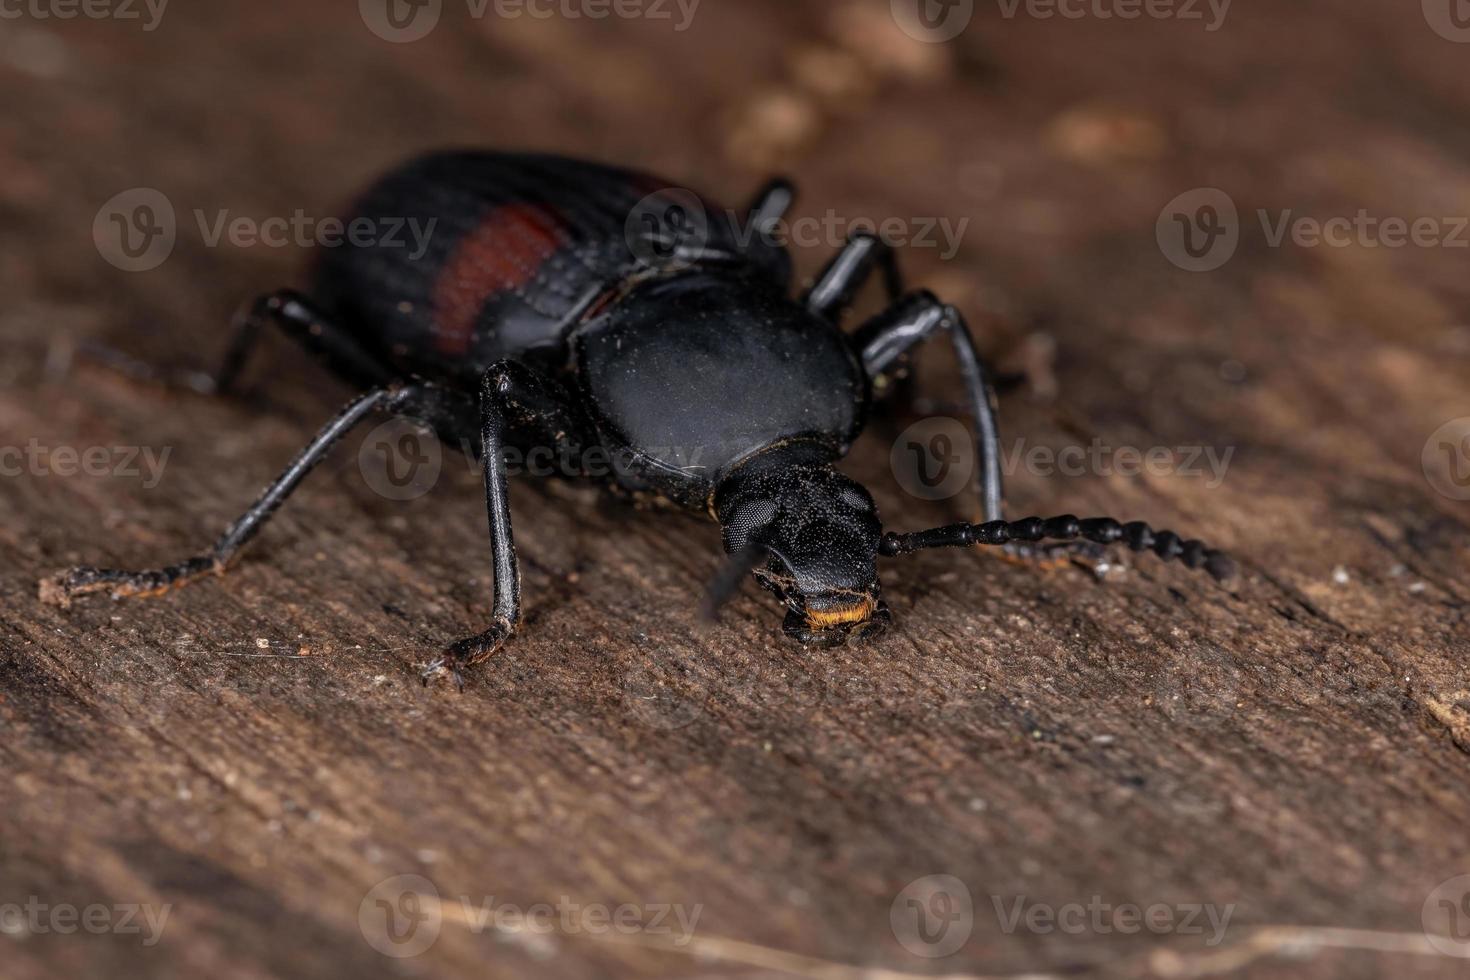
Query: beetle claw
pixel 438 668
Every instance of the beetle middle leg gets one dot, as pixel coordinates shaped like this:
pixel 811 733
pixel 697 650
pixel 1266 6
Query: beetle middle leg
pixel 516 405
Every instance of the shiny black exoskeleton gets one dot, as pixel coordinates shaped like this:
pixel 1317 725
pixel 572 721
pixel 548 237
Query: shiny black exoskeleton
pixel 565 305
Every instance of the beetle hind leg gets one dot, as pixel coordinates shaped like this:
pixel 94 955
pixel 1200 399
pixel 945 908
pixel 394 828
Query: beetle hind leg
pixel 62 588
pixel 292 312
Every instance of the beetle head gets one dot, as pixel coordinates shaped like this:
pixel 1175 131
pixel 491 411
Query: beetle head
pixel 811 536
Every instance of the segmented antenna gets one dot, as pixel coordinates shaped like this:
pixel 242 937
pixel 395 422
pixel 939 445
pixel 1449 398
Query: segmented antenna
pixel 1104 530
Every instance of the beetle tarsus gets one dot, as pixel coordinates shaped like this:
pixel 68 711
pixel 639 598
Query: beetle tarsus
pixel 60 589
pixel 466 653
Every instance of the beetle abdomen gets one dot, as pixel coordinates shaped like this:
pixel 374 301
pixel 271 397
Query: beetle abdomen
pixel 496 252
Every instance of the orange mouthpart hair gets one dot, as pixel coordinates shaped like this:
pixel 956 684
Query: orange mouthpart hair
pixel 857 612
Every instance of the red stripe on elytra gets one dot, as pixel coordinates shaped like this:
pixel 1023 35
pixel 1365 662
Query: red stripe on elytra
pixel 502 253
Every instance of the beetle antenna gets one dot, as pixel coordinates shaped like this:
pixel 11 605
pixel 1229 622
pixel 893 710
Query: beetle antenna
pixel 726 583
pixel 1103 530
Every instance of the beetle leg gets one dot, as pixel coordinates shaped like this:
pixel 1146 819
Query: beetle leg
pixel 514 401
pixel 761 237
pixel 771 204
pixel 296 316
pixel 301 320
pixel 65 586
pixel 848 272
pixel 887 337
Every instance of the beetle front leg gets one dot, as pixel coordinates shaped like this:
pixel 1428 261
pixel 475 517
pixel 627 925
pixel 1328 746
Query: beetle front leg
pixel 887 337
pixel 513 398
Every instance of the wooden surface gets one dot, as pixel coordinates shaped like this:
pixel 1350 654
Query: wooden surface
pixel 257 754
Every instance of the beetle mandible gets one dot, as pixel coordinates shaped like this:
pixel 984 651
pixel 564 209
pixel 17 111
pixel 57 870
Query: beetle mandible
pixel 554 307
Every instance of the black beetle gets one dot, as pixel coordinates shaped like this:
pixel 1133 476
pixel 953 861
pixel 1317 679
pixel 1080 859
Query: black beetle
pixel 567 304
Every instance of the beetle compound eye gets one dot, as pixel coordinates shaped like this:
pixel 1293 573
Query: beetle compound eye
pixel 748 517
pixel 854 499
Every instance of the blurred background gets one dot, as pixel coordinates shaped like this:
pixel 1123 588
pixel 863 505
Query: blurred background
pixel 1211 227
